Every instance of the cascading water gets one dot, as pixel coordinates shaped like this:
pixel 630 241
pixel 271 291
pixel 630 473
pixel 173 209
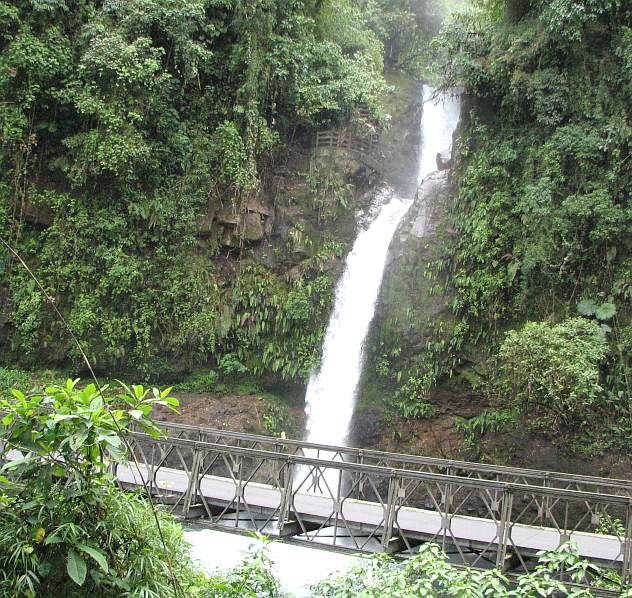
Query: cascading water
pixel 331 393
pixel 438 122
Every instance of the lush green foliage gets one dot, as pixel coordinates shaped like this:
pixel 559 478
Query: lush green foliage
pixel 488 421
pixel 429 574
pixel 406 27
pixel 252 578
pixel 99 543
pixel 543 216
pixel 198 382
pixel 65 526
pixel 551 373
pixel 411 400
pixel 12 378
pixel 125 125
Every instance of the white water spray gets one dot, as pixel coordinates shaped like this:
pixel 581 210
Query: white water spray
pixel 331 393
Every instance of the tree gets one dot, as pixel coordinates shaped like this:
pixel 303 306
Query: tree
pixel 552 373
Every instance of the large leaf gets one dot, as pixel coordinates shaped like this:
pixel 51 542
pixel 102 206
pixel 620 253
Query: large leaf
pixel 97 403
pixel 17 463
pixel 97 555
pixel 53 539
pixel 19 395
pixel 587 307
pixel 605 311
pixel 512 270
pixel 77 440
pixel 59 417
pixel 76 567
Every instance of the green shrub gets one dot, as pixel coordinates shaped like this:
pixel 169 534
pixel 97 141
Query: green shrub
pixel 551 373
pixel 230 365
pixel 488 421
pixel 568 18
pixel 200 382
pixel 101 542
pixel 253 577
pixel 417 409
pixel 411 400
pixel 10 378
pixel 429 574
pixel 65 527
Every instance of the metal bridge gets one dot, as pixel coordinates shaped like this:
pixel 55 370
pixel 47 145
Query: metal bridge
pixel 364 149
pixel 483 516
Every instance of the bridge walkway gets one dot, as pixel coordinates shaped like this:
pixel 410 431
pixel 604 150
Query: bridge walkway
pixel 373 501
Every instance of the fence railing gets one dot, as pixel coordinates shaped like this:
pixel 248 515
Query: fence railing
pixel 482 516
pixel 364 147
pixel 513 475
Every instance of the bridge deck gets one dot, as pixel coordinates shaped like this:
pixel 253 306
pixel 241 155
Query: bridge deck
pixel 315 507
pixel 366 499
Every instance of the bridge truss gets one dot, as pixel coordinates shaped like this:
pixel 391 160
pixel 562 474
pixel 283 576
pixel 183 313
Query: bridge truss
pixel 370 501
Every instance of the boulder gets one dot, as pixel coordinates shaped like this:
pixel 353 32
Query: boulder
pixel 254 205
pixel 251 227
pixel 444 160
pixel 266 254
pixel 228 238
pixel 228 216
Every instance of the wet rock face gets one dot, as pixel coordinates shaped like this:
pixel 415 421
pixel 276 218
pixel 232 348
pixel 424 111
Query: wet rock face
pixel 409 309
pixel 400 145
pixel 444 160
pixel 366 427
pixel 252 228
pixel 228 216
pixel 426 214
pixel 409 306
pixel 407 292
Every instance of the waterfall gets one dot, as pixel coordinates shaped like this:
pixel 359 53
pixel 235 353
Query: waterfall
pixel 331 392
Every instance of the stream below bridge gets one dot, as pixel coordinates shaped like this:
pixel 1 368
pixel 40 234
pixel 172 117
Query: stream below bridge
pixel 296 567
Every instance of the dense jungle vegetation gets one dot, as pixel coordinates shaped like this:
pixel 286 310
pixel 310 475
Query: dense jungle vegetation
pixel 153 174
pixel 536 259
pixel 543 214
pixel 140 145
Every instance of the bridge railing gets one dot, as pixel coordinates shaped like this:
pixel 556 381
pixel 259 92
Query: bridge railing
pixel 514 475
pixel 479 522
pixel 364 147
pixel 346 140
